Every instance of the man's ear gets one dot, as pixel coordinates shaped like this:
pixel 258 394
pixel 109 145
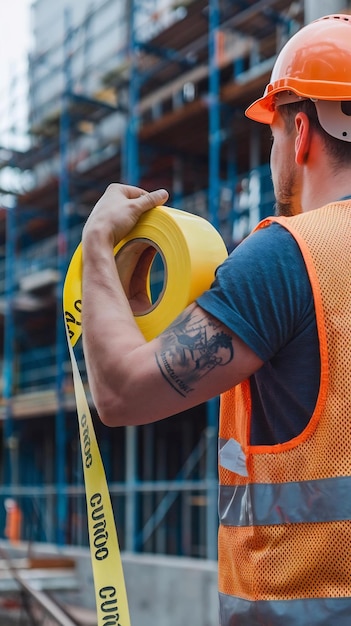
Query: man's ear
pixel 303 138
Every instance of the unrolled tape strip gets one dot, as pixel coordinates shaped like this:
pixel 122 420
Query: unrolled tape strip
pixel 191 249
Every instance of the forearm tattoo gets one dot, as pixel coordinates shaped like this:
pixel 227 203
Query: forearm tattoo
pixel 192 347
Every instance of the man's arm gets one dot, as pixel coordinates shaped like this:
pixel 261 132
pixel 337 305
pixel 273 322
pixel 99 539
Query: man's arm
pixel 133 381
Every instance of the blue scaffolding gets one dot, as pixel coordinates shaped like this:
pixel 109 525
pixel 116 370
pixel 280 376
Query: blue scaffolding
pixel 186 87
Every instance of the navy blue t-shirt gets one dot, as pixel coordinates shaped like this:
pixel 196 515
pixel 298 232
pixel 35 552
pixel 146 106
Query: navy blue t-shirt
pixel 263 294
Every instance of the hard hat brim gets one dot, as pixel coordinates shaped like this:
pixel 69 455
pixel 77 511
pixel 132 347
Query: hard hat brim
pixel 261 110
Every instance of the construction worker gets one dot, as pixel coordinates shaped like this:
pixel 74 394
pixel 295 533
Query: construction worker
pixel 13 520
pixel 278 315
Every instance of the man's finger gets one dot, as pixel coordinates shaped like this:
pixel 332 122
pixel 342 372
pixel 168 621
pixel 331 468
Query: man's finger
pixel 153 198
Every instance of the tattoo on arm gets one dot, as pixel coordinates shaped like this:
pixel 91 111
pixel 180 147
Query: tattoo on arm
pixel 192 347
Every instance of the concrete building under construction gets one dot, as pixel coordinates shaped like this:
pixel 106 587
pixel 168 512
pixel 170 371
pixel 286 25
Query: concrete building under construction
pixel 152 93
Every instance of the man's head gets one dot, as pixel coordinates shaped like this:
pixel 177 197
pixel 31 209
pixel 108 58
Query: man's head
pixel 315 64
pixel 311 77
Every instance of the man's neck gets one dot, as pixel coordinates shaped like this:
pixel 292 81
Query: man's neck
pixel 325 190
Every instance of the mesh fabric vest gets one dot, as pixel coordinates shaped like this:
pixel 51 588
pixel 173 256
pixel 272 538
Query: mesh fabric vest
pixel 285 532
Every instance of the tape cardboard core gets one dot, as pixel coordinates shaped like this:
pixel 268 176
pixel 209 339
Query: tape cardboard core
pixel 136 266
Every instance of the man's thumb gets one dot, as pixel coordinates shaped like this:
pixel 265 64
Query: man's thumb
pixel 154 198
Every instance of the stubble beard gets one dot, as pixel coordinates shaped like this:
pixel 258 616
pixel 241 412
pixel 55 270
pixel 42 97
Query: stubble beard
pixel 283 209
pixel 284 205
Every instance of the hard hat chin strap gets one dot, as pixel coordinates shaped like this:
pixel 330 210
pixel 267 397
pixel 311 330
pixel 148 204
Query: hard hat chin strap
pixel 333 119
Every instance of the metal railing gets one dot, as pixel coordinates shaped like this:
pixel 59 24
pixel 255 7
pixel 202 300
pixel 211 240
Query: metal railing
pixel 44 601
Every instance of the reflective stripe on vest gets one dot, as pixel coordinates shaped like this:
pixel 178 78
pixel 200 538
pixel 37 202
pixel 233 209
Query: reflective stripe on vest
pixel 323 500
pixel 307 612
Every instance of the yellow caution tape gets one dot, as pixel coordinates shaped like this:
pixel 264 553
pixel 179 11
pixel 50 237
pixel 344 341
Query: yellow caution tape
pixel 191 249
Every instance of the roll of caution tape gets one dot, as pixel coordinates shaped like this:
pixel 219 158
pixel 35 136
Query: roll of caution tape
pixel 190 249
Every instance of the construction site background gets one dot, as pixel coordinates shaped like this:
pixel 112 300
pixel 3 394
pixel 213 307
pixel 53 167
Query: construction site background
pixel 151 93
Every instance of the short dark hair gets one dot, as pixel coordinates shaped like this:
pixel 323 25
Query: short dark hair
pixel 339 151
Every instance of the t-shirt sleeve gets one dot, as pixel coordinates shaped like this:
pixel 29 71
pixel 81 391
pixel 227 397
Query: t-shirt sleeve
pixel 262 291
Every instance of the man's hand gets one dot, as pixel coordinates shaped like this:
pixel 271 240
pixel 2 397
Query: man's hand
pixel 118 211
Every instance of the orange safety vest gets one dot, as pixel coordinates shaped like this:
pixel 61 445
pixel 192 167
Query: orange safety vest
pixel 284 547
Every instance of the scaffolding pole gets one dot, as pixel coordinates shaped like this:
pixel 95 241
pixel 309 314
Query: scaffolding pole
pixel 61 348
pixel 8 435
pixel 212 479
pixel 214 113
pixel 131 173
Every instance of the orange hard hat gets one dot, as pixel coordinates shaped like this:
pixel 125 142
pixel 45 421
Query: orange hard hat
pixel 314 64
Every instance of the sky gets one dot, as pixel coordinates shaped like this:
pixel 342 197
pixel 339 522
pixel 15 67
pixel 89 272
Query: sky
pixel 14 40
